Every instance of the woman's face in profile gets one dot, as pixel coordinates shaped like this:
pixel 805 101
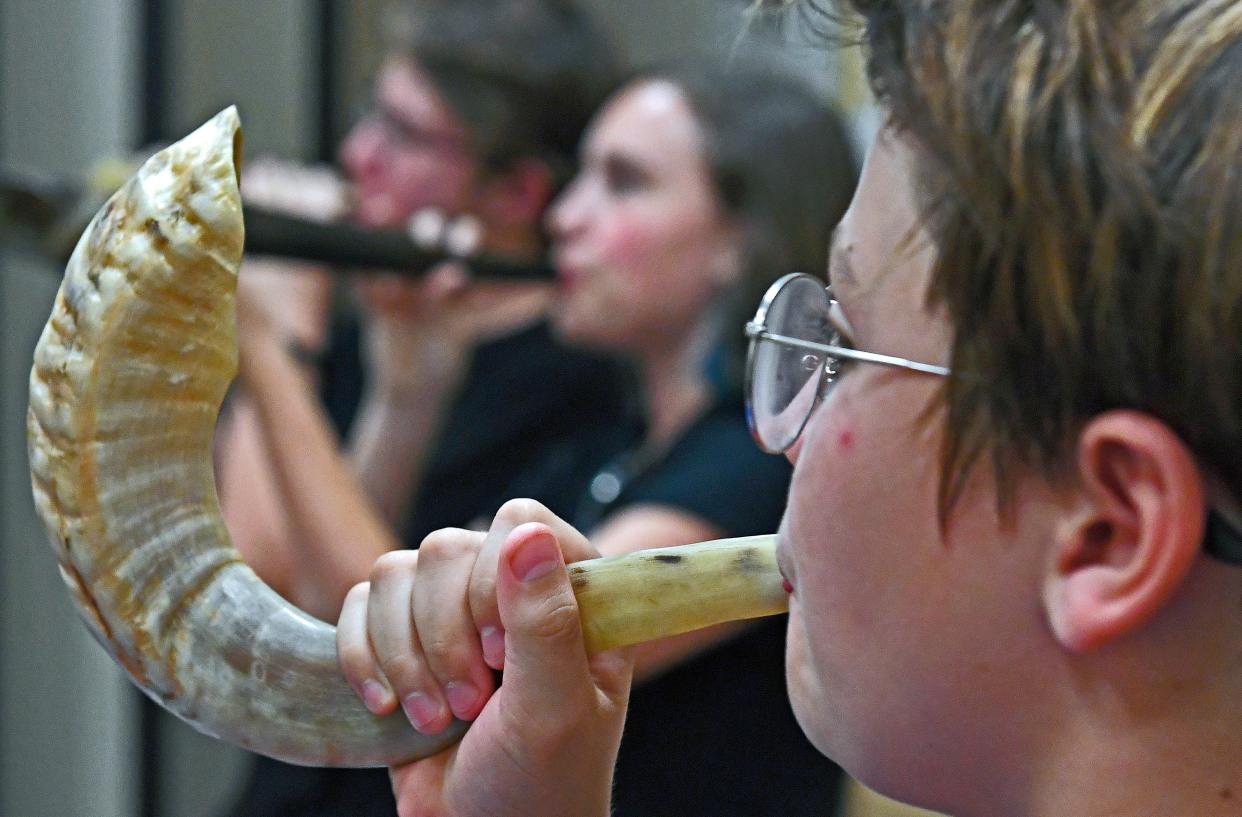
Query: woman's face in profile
pixel 639 240
pixel 411 151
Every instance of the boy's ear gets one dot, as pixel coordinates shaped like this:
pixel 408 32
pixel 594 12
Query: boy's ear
pixel 518 194
pixel 1137 529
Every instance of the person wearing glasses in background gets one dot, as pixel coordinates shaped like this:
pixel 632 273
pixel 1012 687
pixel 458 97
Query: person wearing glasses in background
pixel 1013 538
pixel 476 117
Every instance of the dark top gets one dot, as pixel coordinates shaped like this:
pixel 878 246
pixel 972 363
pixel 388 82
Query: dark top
pixel 715 735
pixel 534 419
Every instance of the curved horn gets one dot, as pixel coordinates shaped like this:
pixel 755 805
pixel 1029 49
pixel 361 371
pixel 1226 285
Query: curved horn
pixel 127 382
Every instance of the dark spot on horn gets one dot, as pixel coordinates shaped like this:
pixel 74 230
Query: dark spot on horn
pixel 103 226
pixel 75 294
pixel 157 235
pixel 747 561
pixel 667 558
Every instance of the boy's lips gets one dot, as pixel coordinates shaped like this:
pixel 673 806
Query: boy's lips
pixel 782 563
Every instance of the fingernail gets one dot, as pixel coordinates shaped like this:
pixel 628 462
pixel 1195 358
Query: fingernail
pixel 422 710
pixel 374 696
pixel 493 640
pixel 462 697
pixel 537 557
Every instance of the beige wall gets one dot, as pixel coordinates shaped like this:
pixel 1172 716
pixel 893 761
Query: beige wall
pixel 260 56
pixel 67 744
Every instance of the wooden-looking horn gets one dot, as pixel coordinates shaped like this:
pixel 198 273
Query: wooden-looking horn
pixel 127 383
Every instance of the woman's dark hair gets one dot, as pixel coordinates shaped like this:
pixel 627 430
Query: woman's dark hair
pixel 525 75
pixel 783 167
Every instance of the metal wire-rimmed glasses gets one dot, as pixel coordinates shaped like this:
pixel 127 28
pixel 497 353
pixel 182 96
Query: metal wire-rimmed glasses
pixel 794 358
pixel 408 135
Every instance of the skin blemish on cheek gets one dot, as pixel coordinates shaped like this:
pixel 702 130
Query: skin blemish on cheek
pixel 845 439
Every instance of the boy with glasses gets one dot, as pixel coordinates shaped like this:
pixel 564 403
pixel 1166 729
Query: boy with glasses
pixel 1012 536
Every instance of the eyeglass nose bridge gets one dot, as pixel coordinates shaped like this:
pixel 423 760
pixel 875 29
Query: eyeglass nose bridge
pixel 823 366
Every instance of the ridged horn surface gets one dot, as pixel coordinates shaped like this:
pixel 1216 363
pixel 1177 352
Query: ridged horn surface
pixel 127 383
pixel 126 386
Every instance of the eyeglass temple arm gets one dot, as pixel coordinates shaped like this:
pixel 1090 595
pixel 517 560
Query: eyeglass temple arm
pixel 1221 540
pixel 754 330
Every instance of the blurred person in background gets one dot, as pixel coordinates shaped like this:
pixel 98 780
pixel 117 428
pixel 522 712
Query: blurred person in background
pixel 699 186
pixel 477 113
pixel 1013 539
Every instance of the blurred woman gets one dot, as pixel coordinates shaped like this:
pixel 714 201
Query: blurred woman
pixel 698 188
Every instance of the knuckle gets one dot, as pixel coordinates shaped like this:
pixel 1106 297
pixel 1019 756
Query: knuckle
pixel 517 511
pixel 442 651
pixel 355 659
pixel 393 564
pixel 556 620
pixel 448 543
pixel 357 594
pixel 405 673
pixel 482 593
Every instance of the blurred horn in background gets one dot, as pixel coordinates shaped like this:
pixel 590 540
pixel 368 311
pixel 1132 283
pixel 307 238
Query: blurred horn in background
pixel 51 213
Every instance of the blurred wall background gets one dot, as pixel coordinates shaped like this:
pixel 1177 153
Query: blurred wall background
pixel 85 80
pixel 68 743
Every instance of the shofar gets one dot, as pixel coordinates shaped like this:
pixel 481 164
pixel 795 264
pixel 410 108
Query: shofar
pixel 127 383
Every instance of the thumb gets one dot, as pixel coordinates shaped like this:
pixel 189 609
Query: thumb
pixel 545 657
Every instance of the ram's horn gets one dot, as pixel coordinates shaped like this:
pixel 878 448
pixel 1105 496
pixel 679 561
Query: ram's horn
pixel 127 382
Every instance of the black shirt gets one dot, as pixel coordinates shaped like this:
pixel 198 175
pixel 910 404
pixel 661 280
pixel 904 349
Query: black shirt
pixel 534 419
pixel 715 735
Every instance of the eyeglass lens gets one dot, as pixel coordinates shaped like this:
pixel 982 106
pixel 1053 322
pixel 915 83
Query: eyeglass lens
pixel 407 135
pixel 784 380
